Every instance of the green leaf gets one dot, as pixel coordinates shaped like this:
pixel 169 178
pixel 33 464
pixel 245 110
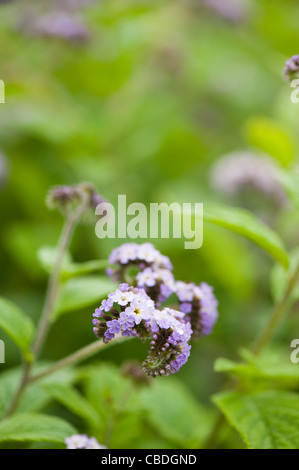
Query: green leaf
pixel 81 292
pixel 35 427
pixel 34 397
pixel 270 369
pixel 273 139
pixel 244 223
pixel 175 414
pixel 117 403
pixel 47 258
pixel 17 325
pixel 265 420
pixel 73 400
pixel 88 267
pixel 235 368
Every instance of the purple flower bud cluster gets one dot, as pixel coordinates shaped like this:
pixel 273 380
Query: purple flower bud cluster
pixel 231 10
pixel 67 198
pixel 291 68
pixel 238 171
pixel 82 441
pixel 199 305
pixel 59 20
pixel 60 197
pixel 62 25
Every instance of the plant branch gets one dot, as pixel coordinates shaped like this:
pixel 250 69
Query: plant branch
pixel 278 313
pixel 50 299
pixel 53 286
pixel 76 357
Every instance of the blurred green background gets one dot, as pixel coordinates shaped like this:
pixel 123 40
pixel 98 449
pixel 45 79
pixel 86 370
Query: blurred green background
pixel 143 105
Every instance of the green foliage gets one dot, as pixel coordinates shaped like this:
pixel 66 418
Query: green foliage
pixel 129 414
pixel 81 292
pixel 280 276
pixel 271 370
pixel 17 325
pixel 35 427
pixel 272 138
pixel 47 258
pixel 244 223
pixel 175 414
pixel 73 400
pixel 290 182
pixel 35 398
pixel 265 420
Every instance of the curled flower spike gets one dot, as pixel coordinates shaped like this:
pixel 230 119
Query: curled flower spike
pixel 82 441
pixel 127 311
pixel 132 255
pixel 291 69
pixel 159 284
pixel 199 305
pixel 169 346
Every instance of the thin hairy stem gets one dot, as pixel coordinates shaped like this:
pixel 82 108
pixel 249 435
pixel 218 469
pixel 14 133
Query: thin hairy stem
pixel 49 304
pixel 278 313
pixel 76 357
pixel 53 287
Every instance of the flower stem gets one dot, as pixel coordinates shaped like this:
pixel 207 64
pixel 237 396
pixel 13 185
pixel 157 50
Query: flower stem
pixel 278 313
pixel 76 357
pixel 50 299
pixel 16 398
pixel 53 286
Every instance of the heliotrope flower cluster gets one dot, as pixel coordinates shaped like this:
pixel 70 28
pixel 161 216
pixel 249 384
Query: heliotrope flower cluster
pixel 158 283
pixel 82 441
pixel 143 266
pixel 126 311
pixel 136 309
pixel 199 305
